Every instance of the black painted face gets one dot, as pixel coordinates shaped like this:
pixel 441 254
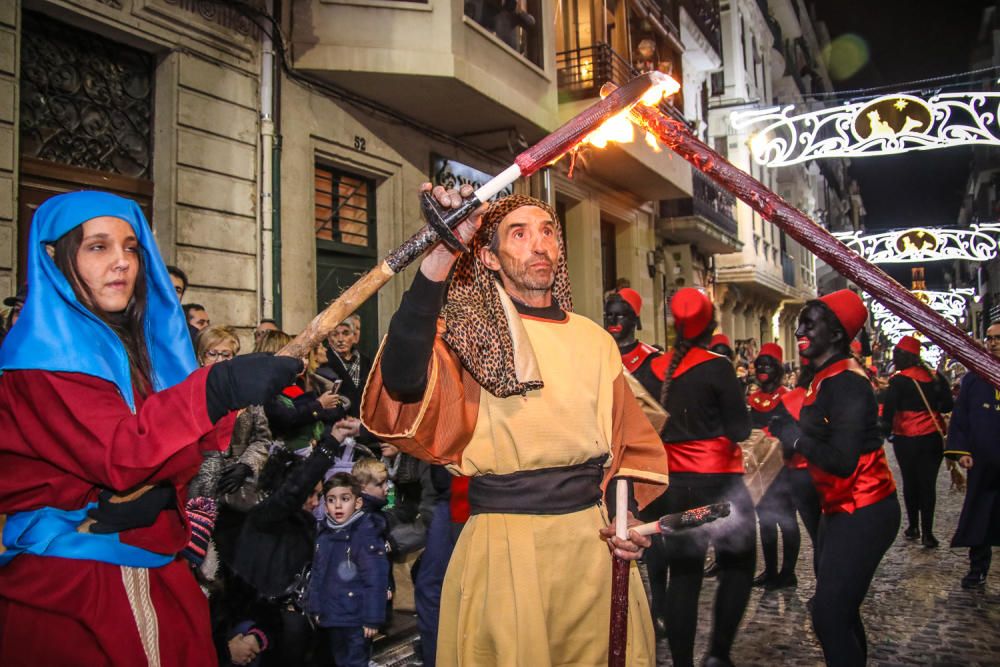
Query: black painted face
pixel 723 350
pixel 620 321
pixel 768 371
pixel 814 335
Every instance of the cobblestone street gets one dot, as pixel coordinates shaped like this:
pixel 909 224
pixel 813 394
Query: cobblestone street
pixel 916 612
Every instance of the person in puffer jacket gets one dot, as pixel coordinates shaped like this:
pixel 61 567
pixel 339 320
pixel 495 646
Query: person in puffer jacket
pixel 350 574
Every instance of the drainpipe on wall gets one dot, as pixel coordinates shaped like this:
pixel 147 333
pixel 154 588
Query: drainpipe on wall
pixel 270 184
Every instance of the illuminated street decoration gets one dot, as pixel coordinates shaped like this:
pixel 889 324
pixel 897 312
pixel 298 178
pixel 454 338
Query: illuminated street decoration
pixel 919 244
pixel 883 126
pixel 951 305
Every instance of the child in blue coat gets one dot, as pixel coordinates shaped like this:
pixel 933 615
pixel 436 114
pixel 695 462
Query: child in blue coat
pixel 350 573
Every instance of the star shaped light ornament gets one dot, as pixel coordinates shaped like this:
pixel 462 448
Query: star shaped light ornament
pixel 900 104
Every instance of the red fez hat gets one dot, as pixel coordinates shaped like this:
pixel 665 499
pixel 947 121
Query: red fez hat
pixel 692 312
pixel 720 339
pixel 849 310
pixel 909 344
pixel 632 298
pixel 856 346
pixel 772 350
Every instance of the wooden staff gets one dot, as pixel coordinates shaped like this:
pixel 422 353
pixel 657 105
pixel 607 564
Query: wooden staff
pixel 441 222
pixel 618 632
pixel 818 241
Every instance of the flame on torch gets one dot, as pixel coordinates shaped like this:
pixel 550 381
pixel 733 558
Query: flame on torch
pixel 620 129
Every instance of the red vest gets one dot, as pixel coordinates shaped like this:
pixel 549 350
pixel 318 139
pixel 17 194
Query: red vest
pixel 871 480
pixel 713 455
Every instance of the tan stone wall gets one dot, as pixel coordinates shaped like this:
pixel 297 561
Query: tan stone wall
pixel 9 50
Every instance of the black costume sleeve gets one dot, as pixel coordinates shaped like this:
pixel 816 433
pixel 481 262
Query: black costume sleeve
pixel 410 341
pixel 733 407
pixel 282 416
pixel 848 407
pixel 890 405
pixel 945 402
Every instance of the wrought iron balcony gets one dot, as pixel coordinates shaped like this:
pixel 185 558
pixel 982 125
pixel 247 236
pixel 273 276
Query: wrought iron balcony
pixel 707 218
pixel 705 14
pixel 582 72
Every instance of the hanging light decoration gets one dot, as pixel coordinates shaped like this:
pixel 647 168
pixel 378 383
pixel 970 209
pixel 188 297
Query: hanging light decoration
pixel 978 243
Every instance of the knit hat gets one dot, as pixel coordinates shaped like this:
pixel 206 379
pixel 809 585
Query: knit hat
pixel 849 310
pixel 692 312
pixel 909 344
pixel 720 339
pixel 201 513
pixel 477 327
pixel 632 298
pixel 772 350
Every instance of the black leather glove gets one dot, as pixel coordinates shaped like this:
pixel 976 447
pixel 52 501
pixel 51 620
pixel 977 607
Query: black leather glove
pixel 232 478
pixel 786 430
pixel 115 513
pixel 250 379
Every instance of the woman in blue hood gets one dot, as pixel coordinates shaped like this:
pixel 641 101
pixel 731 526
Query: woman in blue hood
pixel 105 416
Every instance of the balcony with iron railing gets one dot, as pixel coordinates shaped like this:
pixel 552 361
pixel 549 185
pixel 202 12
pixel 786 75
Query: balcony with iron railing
pixel 705 14
pixel 706 219
pixel 581 73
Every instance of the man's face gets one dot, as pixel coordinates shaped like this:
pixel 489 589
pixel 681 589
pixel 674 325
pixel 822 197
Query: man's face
pixel 261 328
pixel 528 252
pixel 813 334
pixel 342 340
pixel 619 320
pixel 178 286
pixel 198 318
pixel 993 340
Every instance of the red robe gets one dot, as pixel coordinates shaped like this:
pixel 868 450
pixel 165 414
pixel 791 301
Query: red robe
pixel 65 436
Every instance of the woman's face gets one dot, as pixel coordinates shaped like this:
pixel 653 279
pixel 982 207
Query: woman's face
pixel 108 262
pixel 224 351
pixel 814 335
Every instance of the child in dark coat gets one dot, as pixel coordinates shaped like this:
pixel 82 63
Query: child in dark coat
pixel 350 575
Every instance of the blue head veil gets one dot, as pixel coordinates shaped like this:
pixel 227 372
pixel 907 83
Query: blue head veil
pixel 55 332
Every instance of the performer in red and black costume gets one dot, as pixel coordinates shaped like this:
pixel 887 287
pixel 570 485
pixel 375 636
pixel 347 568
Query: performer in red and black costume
pixel 708 417
pixel 776 509
pixel 621 320
pixel 838 434
pixel 911 418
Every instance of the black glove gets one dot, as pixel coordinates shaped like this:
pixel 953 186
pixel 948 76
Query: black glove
pixel 115 513
pixel 786 430
pixel 232 478
pixel 327 444
pixel 250 379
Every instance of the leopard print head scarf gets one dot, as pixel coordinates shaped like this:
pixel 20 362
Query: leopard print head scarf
pixel 476 323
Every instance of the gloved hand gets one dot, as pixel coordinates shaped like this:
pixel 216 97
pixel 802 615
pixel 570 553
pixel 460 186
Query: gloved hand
pixel 786 430
pixel 334 434
pixel 250 379
pixel 115 513
pixel 232 478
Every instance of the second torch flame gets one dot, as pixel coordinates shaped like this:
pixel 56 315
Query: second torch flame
pixel 619 129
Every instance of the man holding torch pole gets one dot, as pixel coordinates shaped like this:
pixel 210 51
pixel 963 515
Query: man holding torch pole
pixel 493 375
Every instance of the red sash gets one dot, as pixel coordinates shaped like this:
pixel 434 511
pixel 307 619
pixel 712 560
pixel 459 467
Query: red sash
pixel 762 401
pixel 871 480
pixel 637 356
pixel 792 400
pixel 713 455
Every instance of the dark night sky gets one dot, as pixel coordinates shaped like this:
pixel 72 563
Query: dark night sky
pixel 908 40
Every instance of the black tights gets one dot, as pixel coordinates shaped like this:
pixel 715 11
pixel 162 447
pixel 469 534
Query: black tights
pixel 682 557
pixel 850 548
pixel 806 500
pixel 919 462
pixel 777 510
